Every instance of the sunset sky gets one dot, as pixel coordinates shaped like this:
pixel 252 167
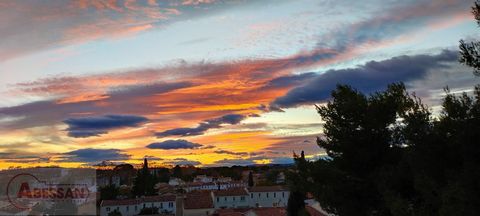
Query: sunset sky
pixel 207 82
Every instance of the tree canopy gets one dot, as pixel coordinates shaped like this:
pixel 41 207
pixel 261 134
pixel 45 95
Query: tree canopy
pixel 470 51
pixel 388 155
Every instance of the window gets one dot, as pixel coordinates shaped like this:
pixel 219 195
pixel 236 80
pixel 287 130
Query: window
pixel 258 194
pixel 143 205
pixel 218 199
pixel 283 194
pixel 161 205
pixel 108 209
pixel 251 195
pixel 242 198
pixel 274 194
pixel 127 208
pixel 152 205
pixel 267 194
pixel 233 198
pixel 135 208
pixel 170 204
pixel 225 198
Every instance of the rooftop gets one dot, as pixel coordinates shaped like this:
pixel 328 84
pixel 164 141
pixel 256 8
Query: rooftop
pixel 271 211
pixel 231 192
pixel 267 188
pixel 120 202
pixel 274 211
pixel 198 200
pixel 162 198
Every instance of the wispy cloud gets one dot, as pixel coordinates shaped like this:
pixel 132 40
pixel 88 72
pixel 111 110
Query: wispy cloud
pixel 40 25
pixel 221 151
pixel 174 144
pixel 204 126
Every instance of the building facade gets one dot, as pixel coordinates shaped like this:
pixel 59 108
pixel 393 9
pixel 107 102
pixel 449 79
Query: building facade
pixel 128 207
pixel 268 196
pixel 233 198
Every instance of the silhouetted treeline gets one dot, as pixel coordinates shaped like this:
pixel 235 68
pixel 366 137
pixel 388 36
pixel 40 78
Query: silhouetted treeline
pixel 388 155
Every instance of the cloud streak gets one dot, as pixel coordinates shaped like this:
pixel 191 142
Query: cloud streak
pixel 204 126
pixel 174 144
pixel 95 126
pixel 41 25
pixel 370 77
pixel 91 155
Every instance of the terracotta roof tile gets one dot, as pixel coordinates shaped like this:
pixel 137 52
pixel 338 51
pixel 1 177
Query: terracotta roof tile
pixel 198 200
pixel 267 188
pixel 165 198
pixel 270 211
pixel 231 192
pixel 120 202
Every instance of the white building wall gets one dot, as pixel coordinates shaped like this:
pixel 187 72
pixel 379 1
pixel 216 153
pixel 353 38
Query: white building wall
pixel 231 201
pixel 162 206
pixel 125 210
pixel 130 210
pixel 269 199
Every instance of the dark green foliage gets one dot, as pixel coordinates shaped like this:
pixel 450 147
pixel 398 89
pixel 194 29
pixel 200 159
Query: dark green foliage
pixel 149 211
pixel 387 155
pixel 144 182
pixel 115 213
pixel 163 175
pixel 108 192
pixel 233 172
pixel 297 182
pixel 250 179
pixel 271 177
pixel 296 204
pixel 470 51
pixel 177 172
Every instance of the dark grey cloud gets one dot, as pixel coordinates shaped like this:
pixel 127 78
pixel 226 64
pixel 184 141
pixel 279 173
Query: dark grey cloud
pixel 174 144
pixel 90 155
pixel 134 91
pixel 203 126
pixel 151 158
pixel 221 151
pixel 184 162
pixel 23 157
pixel 251 161
pixel 94 126
pixel 234 162
pixel 289 80
pixel 367 78
pixel 208 147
